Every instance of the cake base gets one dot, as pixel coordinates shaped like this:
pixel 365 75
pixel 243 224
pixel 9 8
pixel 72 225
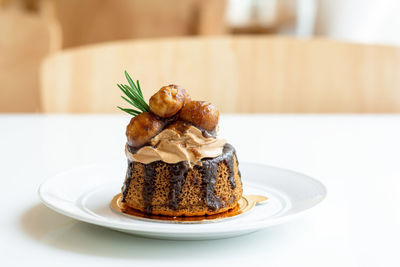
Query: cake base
pixel 178 190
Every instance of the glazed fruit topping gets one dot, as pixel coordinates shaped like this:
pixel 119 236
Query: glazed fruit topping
pixel 170 105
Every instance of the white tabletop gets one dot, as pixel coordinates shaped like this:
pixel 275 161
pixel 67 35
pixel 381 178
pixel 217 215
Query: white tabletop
pixel 356 157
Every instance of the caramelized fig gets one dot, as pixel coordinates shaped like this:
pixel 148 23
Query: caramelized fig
pixel 201 114
pixel 168 100
pixel 142 128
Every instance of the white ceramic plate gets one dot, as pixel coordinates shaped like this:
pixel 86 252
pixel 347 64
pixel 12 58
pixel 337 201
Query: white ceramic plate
pixel 85 194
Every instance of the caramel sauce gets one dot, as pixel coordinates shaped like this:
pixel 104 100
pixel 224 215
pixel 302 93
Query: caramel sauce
pixel 245 204
pixel 136 213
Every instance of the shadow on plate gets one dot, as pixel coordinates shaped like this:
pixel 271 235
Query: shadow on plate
pixel 52 229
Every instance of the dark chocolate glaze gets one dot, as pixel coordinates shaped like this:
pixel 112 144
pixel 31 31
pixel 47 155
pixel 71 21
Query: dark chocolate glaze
pixel 209 173
pixel 208 133
pixel 208 170
pixel 127 182
pixel 150 172
pixel 229 163
pixel 132 149
pixel 179 172
pixel 209 179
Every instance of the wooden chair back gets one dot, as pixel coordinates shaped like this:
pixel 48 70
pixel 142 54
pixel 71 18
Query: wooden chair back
pixel 238 74
pixel 92 21
pixel 25 39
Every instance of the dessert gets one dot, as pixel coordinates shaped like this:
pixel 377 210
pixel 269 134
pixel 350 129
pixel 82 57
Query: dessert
pixel 177 166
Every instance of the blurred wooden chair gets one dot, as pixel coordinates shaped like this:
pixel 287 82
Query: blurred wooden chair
pixel 93 21
pixel 25 39
pixel 238 74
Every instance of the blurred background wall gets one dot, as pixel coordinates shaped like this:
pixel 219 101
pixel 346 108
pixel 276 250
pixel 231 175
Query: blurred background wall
pixel 60 32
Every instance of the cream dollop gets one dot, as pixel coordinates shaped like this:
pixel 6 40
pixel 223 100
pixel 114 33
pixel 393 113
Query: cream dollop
pixel 173 146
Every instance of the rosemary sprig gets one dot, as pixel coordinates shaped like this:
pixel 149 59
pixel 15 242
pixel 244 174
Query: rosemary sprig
pixel 134 96
pixel 130 111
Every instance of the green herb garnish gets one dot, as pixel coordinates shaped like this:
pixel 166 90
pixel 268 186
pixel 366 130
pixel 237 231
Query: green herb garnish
pixel 134 96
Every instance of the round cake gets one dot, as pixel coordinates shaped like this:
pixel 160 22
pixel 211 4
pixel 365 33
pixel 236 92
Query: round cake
pixel 177 166
pixel 177 189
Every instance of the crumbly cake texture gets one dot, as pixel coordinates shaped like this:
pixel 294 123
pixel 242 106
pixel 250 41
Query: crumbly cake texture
pixel 178 190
